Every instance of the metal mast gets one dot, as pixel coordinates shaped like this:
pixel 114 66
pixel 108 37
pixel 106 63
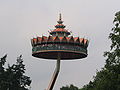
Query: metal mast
pixel 55 74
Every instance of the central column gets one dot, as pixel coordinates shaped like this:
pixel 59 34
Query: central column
pixel 55 74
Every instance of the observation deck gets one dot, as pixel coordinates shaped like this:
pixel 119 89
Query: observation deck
pixel 59 41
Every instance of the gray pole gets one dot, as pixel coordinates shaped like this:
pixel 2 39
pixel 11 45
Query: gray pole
pixel 55 74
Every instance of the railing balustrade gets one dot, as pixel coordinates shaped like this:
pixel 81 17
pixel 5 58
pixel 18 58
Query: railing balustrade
pixel 59 47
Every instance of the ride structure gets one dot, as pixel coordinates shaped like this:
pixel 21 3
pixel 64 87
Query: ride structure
pixel 59 45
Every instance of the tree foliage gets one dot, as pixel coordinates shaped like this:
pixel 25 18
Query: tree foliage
pixel 109 77
pixel 13 77
pixel 71 87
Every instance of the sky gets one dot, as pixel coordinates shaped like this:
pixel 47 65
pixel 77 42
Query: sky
pixel 21 20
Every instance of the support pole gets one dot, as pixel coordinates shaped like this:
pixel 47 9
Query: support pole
pixel 55 74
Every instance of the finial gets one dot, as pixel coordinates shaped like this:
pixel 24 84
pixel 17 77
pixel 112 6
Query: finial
pixel 60 18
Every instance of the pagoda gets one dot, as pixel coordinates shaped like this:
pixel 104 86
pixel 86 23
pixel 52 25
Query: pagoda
pixel 59 45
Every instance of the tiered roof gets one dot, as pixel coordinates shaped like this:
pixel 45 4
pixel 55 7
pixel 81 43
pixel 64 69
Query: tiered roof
pixel 60 28
pixel 44 39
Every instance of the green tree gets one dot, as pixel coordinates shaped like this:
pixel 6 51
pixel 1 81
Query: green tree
pixel 71 87
pixel 113 56
pixel 2 72
pixel 13 77
pixel 109 77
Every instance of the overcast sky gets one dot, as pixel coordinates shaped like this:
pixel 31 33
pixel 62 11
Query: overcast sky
pixel 21 20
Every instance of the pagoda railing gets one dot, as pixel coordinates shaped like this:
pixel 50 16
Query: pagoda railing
pixel 59 47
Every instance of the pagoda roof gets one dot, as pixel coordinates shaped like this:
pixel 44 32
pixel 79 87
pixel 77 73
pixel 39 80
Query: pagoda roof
pixel 60 30
pixel 59 39
pixel 60 27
